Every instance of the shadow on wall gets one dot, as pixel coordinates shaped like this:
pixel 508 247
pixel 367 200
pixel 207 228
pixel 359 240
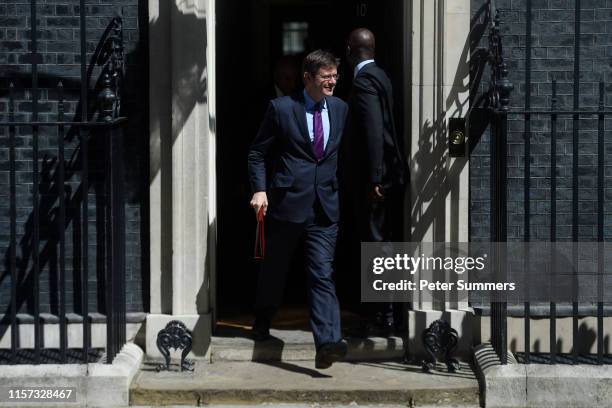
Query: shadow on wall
pixel 183 70
pixel 181 84
pixel 434 176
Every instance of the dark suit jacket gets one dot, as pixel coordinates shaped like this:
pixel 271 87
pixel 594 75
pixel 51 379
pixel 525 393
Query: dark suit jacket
pixel 295 177
pixel 372 127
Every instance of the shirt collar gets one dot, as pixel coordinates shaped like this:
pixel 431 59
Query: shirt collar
pixel 310 104
pixel 361 65
pixel 278 92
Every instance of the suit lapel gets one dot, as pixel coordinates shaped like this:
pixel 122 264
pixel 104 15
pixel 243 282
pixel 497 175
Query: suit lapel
pixel 299 110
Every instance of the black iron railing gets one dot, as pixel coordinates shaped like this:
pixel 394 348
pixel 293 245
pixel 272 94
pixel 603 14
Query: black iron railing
pixel 499 106
pixel 498 101
pixel 101 122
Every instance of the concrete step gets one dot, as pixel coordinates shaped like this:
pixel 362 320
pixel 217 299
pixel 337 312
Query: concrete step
pixel 315 405
pixel 299 382
pixel 297 345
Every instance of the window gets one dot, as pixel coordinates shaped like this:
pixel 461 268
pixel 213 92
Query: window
pixel 294 37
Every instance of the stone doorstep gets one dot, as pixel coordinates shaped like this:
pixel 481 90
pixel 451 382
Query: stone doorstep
pixel 96 384
pixel 538 385
pixel 297 345
pixel 405 398
pixel 233 343
pixel 299 382
pixel 351 404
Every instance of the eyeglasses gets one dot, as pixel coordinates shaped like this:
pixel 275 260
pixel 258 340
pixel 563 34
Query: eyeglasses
pixel 328 77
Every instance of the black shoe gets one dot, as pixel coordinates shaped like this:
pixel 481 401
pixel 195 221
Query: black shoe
pixel 329 353
pixel 260 330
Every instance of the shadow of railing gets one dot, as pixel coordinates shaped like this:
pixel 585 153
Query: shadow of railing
pixel 433 178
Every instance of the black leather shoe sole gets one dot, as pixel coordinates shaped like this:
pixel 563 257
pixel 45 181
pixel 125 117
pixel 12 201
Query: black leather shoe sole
pixel 329 353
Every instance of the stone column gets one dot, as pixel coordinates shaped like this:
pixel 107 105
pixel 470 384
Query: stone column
pixel 183 179
pixel 160 166
pixel 439 31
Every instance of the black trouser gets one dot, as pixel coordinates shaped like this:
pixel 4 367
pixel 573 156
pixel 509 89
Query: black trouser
pixel 381 223
pixel 319 235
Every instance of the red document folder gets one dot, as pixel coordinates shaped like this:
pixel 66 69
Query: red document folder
pixel 260 236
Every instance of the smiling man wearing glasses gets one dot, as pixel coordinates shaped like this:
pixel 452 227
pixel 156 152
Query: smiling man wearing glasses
pixel 298 139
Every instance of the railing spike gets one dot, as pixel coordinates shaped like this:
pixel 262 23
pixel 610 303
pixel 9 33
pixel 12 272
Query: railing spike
pixel 11 98
pixel 60 102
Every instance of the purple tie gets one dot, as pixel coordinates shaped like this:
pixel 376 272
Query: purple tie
pixel 318 132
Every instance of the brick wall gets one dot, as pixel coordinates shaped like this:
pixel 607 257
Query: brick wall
pixel 552 58
pixel 59 44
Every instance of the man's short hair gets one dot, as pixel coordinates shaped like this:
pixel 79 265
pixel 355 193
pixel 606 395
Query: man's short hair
pixel 319 59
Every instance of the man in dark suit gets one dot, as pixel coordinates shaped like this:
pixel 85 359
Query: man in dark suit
pixel 299 139
pixel 378 182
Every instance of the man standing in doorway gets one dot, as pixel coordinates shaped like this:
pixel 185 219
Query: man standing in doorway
pixel 286 76
pixel 378 183
pixel 299 139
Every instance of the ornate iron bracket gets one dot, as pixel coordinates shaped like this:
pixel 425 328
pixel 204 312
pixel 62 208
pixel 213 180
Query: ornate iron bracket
pixel 175 335
pixel 500 87
pixel 110 56
pixel 440 337
pixel 116 62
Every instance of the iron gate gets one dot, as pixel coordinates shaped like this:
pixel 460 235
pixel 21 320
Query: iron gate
pixel 54 195
pixel 498 105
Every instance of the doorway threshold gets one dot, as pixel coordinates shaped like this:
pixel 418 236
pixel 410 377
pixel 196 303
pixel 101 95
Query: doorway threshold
pixel 235 344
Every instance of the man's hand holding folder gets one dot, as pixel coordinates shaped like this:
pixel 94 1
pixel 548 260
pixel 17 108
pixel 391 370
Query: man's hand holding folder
pixel 259 202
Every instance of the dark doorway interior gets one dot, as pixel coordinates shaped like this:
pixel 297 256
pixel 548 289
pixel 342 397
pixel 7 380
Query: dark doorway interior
pixel 251 36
